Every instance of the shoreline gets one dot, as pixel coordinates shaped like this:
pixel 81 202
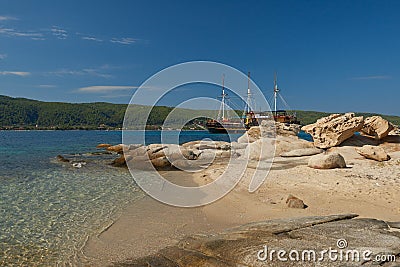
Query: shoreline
pixel 146 225
pixel 338 179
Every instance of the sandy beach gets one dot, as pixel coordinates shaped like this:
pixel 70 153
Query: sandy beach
pixel 366 187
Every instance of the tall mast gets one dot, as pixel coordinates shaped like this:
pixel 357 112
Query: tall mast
pixel 223 96
pixel 276 91
pixel 248 101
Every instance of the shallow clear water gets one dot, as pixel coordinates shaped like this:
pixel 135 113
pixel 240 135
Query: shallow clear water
pixel 48 208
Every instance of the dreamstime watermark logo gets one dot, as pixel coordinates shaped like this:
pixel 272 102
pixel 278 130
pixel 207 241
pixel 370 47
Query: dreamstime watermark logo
pixel 339 254
pixel 141 161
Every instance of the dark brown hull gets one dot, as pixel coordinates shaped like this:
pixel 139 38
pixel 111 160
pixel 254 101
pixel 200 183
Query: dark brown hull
pixel 225 127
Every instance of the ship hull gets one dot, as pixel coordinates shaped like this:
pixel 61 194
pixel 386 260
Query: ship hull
pixel 225 127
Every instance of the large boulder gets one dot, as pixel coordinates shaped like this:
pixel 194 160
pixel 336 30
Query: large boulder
pixel 252 135
pixel 377 126
pixel 327 161
pixel 269 129
pixel 261 243
pixel 287 129
pixel 205 144
pixel 333 130
pixel 373 152
pixel 289 143
pixel 261 149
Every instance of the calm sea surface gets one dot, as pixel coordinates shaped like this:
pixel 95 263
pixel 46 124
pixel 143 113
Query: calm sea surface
pixel 48 209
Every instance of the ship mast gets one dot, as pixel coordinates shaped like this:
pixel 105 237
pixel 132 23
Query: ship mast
pixel 248 101
pixel 276 91
pixel 223 96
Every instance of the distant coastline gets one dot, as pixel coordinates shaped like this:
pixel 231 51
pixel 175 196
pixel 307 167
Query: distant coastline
pixel 28 114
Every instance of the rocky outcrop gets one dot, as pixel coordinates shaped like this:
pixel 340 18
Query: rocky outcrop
pixel 373 152
pixel 289 143
pixel 333 130
pixel 302 152
pixel 117 148
pixel 165 156
pixel 327 161
pixel 269 129
pixel 261 149
pixel 395 131
pixel 251 244
pixel 103 145
pixel 287 129
pixel 377 127
pixel 119 162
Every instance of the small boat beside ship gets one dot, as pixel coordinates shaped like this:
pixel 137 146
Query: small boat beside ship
pixel 250 118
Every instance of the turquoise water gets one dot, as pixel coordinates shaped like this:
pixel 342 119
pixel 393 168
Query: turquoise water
pixel 48 209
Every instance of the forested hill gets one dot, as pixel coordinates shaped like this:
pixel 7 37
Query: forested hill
pixel 16 113
pixel 22 113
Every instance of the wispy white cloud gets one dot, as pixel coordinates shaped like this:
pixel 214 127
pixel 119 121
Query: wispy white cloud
pixel 372 77
pixel 105 88
pixel 59 33
pixel 90 38
pixel 3 56
pixel 97 72
pixel 116 95
pixel 16 73
pixel 125 41
pixel 14 32
pixel 46 86
pixel 3 18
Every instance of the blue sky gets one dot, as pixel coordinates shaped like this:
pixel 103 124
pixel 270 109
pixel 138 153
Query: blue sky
pixel 334 56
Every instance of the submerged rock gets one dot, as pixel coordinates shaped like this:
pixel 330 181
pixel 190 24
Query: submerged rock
pixel 251 244
pixel 327 161
pixel 373 152
pixel 62 158
pixel 333 130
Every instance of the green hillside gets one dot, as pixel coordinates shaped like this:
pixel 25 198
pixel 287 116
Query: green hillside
pixel 21 113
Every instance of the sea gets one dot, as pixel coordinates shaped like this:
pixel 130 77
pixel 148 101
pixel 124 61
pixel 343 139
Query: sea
pixel 48 208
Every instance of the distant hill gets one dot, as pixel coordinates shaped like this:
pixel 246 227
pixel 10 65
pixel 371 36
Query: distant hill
pixel 25 113
pixel 22 113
